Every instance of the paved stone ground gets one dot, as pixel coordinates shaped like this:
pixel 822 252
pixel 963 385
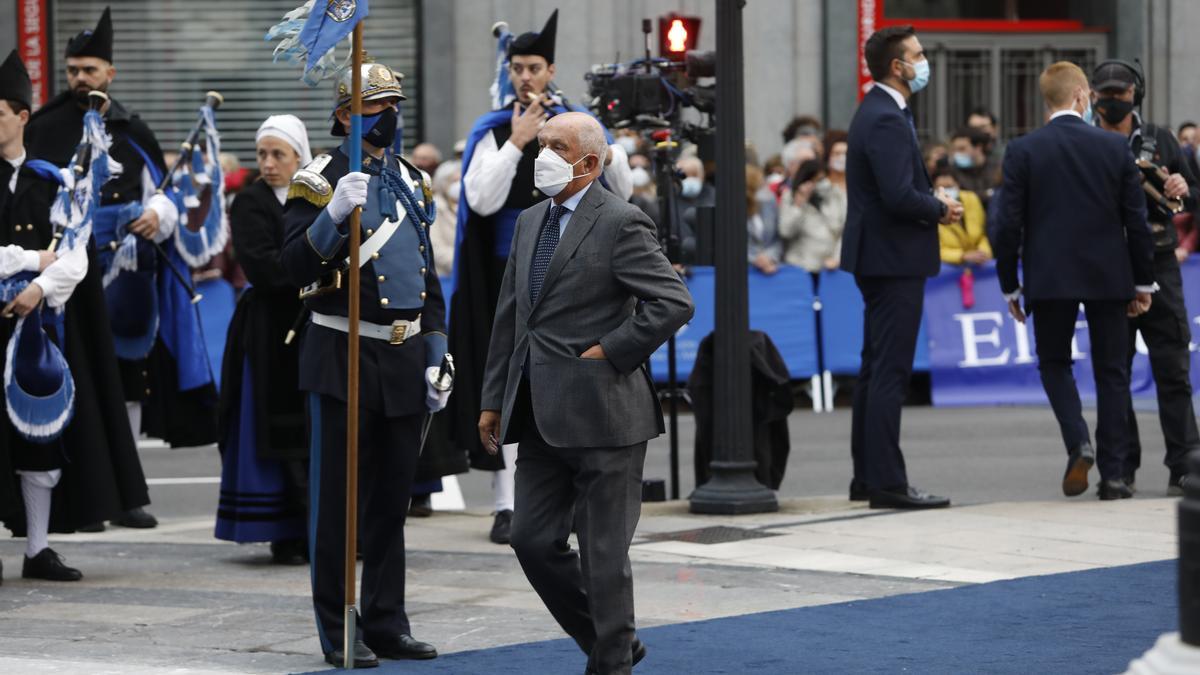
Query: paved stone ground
pixel 175 600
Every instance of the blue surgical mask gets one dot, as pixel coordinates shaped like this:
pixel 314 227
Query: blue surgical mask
pixel 921 80
pixel 691 187
pixel 1089 115
pixel 963 161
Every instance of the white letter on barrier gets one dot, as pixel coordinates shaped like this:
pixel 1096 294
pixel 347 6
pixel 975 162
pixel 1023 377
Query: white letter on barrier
pixel 972 340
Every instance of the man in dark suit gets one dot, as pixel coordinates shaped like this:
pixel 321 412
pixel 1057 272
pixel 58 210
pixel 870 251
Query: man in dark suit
pixel 1074 210
pixel 587 296
pixel 891 246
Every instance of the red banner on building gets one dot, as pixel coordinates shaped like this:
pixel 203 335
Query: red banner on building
pixel 870 12
pixel 32 45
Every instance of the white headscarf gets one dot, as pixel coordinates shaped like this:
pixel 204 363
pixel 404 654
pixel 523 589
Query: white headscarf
pixel 289 129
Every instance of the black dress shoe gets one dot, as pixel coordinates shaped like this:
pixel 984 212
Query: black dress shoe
pixel 49 565
pixel 421 506
pixel 859 492
pixel 363 656
pixel 1114 489
pixel 402 646
pixel 502 527
pixel 1079 462
pixel 1131 482
pixel 1176 484
pixel 137 518
pixel 907 498
pixel 92 527
pixel 639 653
pixel 289 552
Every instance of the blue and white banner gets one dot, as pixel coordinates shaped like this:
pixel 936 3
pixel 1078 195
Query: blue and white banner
pixel 981 356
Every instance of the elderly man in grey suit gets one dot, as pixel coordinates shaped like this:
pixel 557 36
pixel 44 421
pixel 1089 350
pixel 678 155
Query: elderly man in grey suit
pixel 587 296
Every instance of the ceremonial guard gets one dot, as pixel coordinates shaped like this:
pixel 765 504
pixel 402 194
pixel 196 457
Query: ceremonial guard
pixel 88 470
pixel 497 185
pixel 171 384
pixel 264 455
pixel 402 338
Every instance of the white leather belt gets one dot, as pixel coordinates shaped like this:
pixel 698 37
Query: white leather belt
pixel 395 333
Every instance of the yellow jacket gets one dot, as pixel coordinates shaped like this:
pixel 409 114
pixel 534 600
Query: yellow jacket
pixel 969 235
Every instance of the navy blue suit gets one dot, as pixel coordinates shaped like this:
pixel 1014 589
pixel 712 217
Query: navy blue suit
pixel 1074 211
pixel 891 245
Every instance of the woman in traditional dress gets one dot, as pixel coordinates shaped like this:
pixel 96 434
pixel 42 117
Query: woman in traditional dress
pixel 264 465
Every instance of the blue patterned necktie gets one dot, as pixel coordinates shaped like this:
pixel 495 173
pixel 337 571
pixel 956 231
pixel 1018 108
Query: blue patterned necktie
pixel 912 124
pixel 547 242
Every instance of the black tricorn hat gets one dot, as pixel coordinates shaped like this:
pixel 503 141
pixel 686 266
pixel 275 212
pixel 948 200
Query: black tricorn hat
pixel 14 81
pixel 97 43
pixel 537 44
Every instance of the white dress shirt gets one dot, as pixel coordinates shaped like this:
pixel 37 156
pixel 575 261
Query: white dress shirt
pixel 570 205
pixel 896 96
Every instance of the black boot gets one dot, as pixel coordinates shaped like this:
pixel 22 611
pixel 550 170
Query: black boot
pixel 289 552
pixel 49 565
pixel 138 518
pixel 363 656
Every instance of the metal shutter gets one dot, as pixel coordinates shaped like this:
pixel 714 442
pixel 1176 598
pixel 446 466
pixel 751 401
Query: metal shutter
pixel 169 52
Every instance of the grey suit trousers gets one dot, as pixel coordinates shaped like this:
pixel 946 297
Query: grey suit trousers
pixel 589 592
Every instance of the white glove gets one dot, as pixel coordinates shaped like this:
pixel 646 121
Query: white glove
pixel 351 191
pixel 434 399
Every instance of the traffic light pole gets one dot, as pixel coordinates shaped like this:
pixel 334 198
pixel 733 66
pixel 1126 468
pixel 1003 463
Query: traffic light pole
pixel 732 487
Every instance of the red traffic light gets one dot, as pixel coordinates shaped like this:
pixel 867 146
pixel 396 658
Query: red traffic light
pixel 677 35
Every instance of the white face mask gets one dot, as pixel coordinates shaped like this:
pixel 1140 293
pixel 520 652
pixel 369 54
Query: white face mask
pixel 629 143
pixel 551 172
pixel 691 187
pixel 838 163
pixel 453 191
pixel 640 176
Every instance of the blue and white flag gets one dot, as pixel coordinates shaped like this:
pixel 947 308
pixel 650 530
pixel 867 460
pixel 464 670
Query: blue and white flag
pixel 199 194
pixel 74 209
pixel 502 89
pixel 308 35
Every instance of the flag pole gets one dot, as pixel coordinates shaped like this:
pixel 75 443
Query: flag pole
pixel 352 356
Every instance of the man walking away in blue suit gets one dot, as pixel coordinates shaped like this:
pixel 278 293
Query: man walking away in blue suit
pixel 891 246
pixel 1074 211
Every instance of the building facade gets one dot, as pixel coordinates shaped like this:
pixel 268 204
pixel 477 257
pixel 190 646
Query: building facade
pixel 801 56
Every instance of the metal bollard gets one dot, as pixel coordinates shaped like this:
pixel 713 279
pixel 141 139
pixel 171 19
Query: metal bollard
pixel 1189 555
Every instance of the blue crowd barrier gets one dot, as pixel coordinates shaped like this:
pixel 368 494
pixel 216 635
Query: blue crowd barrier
pixel 781 305
pixel 976 356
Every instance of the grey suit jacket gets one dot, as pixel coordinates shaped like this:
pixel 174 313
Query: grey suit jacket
pixel 609 283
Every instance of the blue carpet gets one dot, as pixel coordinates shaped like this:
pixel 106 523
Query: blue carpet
pixel 1080 622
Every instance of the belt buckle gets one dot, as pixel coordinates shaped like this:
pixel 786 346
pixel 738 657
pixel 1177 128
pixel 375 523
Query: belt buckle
pixel 399 332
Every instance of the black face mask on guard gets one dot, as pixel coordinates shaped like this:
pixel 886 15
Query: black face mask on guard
pixel 380 129
pixel 1114 110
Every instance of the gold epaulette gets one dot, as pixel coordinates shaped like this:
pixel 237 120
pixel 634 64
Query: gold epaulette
pixel 310 185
